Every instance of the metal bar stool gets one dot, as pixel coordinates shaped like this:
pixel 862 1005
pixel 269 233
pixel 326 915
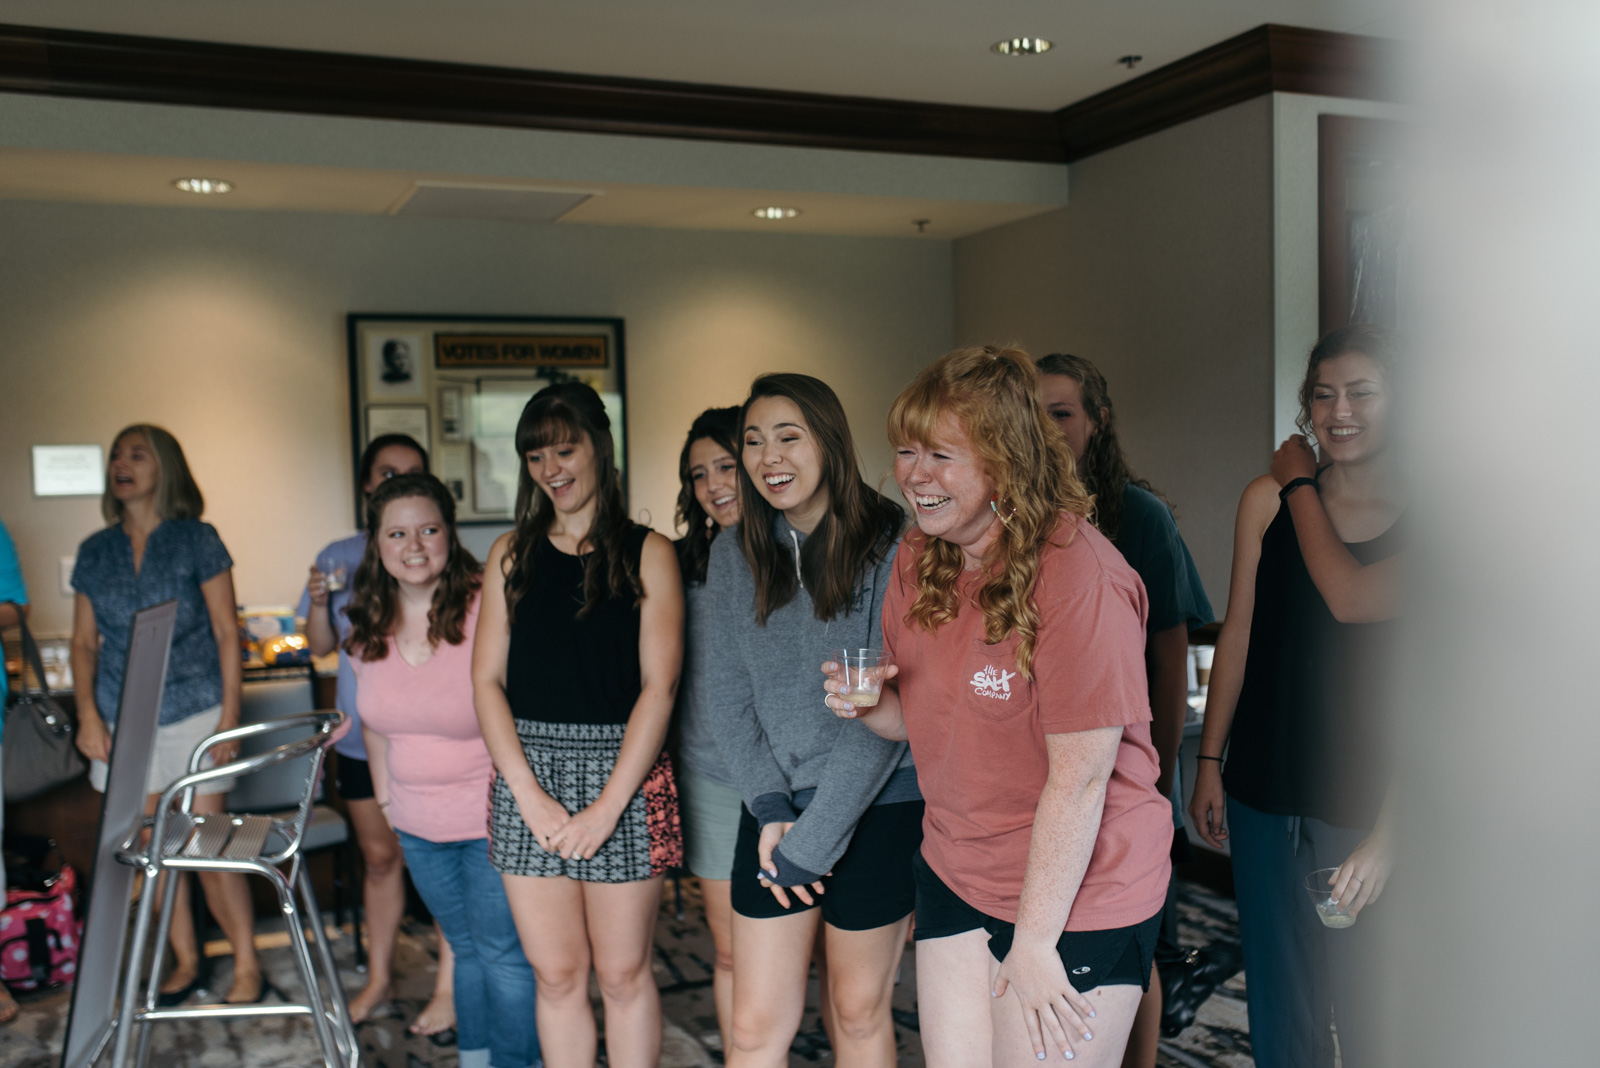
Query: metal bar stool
pixel 180 841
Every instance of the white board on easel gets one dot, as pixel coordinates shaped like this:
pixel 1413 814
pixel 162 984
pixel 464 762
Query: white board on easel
pixel 105 930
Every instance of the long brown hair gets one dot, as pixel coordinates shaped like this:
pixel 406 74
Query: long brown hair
pixel 565 414
pixel 993 393
pixel 1103 467
pixel 374 604
pixel 857 531
pixel 719 425
pixel 1379 343
pixel 177 496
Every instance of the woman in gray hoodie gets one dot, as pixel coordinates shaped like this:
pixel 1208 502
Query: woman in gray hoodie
pixel 832 813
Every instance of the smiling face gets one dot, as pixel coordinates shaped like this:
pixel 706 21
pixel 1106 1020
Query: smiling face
pixel 1350 408
pixel 782 458
pixel 714 474
pixel 134 471
pixel 948 489
pixel 1063 401
pixel 413 541
pixel 565 471
pixel 393 460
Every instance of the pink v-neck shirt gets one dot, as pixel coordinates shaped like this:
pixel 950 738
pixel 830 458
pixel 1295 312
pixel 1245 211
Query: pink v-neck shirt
pixel 439 769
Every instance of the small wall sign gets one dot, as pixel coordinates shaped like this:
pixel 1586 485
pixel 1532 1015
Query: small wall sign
pixel 68 471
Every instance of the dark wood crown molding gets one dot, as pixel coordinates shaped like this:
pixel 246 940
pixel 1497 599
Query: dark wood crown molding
pixel 1267 59
pixel 165 71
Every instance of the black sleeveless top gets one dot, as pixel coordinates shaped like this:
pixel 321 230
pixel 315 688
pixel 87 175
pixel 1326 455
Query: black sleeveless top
pixel 563 669
pixel 1309 734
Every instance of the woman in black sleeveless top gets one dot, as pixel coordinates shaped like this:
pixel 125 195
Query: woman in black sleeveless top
pixel 575 665
pixel 1297 696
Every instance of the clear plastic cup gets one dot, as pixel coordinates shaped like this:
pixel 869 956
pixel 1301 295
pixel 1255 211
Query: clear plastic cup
pixel 1332 914
pixel 333 573
pixel 862 671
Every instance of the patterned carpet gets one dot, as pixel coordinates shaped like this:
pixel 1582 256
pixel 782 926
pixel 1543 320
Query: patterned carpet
pixel 1219 1038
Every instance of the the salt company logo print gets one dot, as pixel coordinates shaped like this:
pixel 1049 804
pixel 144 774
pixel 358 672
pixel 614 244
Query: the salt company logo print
pixel 993 683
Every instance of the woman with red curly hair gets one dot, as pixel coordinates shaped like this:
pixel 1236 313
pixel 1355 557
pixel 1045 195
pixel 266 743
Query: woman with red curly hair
pixel 1018 633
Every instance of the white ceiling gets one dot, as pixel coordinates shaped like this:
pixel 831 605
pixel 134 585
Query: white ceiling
pixel 924 50
pixel 112 178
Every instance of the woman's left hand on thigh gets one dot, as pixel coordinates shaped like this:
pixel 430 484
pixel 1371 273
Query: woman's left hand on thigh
pixel 771 835
pixel 1053 1010
pixel 581 837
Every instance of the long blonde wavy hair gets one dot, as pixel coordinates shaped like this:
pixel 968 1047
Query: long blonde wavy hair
pixel 993 393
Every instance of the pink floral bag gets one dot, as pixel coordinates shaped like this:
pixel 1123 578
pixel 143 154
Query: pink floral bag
pixel 39 933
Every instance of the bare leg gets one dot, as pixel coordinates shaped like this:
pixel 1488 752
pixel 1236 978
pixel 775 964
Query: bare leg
pixel 770 961
pixel 439 1014
pixel 549 914
pixel 8 1006
pixel 718 896
pixel 953 1000
pixel 861 967
pixel 383 898
pixel 819 961
pixel 622 920
pixel 1146 1031
pixel 180 936
pixel 228 897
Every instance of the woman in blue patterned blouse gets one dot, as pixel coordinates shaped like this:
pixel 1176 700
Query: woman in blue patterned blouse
pixel 155 549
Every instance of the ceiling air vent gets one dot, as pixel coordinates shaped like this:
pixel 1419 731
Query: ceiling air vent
pixel 457 200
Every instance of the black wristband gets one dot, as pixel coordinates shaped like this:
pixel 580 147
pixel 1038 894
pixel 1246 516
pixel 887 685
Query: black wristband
pixel 1217 759
pixel 1294 484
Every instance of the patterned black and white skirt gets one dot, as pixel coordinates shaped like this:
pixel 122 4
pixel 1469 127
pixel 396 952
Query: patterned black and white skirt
pixel 573 762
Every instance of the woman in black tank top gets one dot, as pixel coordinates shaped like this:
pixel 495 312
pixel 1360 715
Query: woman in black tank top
pixel 1297 697
pixel 574 668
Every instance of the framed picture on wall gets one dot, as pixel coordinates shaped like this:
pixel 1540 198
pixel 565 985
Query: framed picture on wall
pixel 1363 221
pixel 459 383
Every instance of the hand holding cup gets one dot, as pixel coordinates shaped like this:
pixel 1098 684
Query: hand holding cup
pixel 855 680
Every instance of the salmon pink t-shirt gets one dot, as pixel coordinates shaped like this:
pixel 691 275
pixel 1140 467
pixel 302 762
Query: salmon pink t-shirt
pixel 977 729
pixel 439 769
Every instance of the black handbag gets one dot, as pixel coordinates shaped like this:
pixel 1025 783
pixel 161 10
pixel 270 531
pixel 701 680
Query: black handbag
pixel 39 745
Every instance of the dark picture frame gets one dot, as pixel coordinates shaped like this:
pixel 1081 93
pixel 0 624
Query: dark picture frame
pixel 1360 165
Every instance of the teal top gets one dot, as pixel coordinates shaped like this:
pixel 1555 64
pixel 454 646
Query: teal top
pixel 11 589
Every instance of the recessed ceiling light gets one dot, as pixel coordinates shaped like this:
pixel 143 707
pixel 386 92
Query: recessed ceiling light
pixel 1022 46
pixel 203 185
pixel 775 213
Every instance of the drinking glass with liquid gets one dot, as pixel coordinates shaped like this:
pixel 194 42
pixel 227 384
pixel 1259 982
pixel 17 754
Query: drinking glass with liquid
pixel 1319 884
pixel 861 671
pixel 333 573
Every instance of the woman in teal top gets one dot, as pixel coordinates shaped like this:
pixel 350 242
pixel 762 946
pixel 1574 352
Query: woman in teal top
pixel 1141 526
pixel 155 549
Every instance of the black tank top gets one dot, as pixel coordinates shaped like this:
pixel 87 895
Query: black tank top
pixel 1309 735
pixel 563 669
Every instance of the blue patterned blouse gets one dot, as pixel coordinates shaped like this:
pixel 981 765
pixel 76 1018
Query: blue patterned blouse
pixel 180 555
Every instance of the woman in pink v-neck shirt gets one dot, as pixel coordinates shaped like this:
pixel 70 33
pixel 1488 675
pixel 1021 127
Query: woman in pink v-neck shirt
pixel 412 618
pixel 436 766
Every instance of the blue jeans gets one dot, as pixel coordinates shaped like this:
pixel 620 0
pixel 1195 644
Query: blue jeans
pixel 1298 973
pixel 493 983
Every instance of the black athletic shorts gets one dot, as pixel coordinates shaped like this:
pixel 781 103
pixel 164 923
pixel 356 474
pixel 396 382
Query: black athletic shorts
pixel 1120 956
pixel 871 885
pixel 352 778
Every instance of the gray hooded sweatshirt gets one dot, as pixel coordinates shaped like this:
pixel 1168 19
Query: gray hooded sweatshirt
pixel 789 755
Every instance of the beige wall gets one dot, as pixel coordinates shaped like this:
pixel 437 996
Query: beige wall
pixel 228 328
pixel 1161 271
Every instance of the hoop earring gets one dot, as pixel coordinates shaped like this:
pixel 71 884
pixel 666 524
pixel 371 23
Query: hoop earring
pixel 1006 519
